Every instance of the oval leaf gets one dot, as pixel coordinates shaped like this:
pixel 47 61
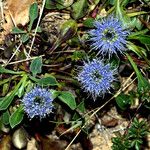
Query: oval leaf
pixel 89 22
pixel 36 66
pixel 6 101
pixel 79 9
pixel 68 98
pixel 5 117
pixel 16 117
pixel 47 81
pixel 17 30
pixel 25 37
pixel 50 4
pixel 123 101
pixel 33 14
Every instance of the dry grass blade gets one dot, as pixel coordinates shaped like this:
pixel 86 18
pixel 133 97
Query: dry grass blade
pixel 39 19
pixel 126 84
pixel 17 49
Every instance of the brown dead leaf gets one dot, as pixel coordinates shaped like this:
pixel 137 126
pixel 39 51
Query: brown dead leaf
pixel 5 143
pixel 17 13
pixel 112 122
pixel 52 144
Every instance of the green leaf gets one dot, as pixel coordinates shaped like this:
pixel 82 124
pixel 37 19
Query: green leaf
pixel 16 30
pixel 143 83
pixel 80 109
pixel 3 70
pixel 81 106
pixel 133 14
pixel 137 145
pixel 33 14
pixel 36 66
pixel 68 29
pixel 6 101
pixel 5 81
pixel 123 101
pixel 78 55
pixel 57 4
pixel 115 62
pixel 79 9
pixel 60 4
pixel 89 22
pixel 120 13
pixel 21 89
pixel 55 93
pixel 67 3
pixel 5 117
pixel 8 79
pixel 138 33
pixel 68 98
pixel 47 81
pixel 136 23
pixel 25 37
pixel 5 89
pixel 119 10
pixel 39 30
pixel 50 4
pixel 112 2
pixel 136 49
pixel 144 39
pixel 16 117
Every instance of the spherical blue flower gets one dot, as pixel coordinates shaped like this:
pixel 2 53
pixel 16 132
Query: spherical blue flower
pixel 96 77
pixel 38 102
pixel 109 36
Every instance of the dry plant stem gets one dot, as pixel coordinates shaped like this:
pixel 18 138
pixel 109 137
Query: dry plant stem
pixel 23 60
pixel 56 65
pixel 39 19
pixel 2 11
pixel 123 88
pixel 13 20
pixel 13 54
pixel 99 108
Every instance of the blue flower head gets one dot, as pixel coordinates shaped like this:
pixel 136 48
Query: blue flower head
pixel 96 77
pixel 38 103
pixel 109 36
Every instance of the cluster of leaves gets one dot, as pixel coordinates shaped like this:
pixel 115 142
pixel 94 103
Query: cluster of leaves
pixel 124 101
pixel 134 137
pixel 25 35
pixel 26 82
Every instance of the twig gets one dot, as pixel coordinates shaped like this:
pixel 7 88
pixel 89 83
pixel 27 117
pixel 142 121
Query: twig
pixel 39 19
pixel 13 54
pixel 2 11
pixel 12 18
pixel 99 108
pixel 23 60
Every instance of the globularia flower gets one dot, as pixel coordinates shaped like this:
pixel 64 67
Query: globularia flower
pixel 109 36
pixel 96 77
pixel 38 102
